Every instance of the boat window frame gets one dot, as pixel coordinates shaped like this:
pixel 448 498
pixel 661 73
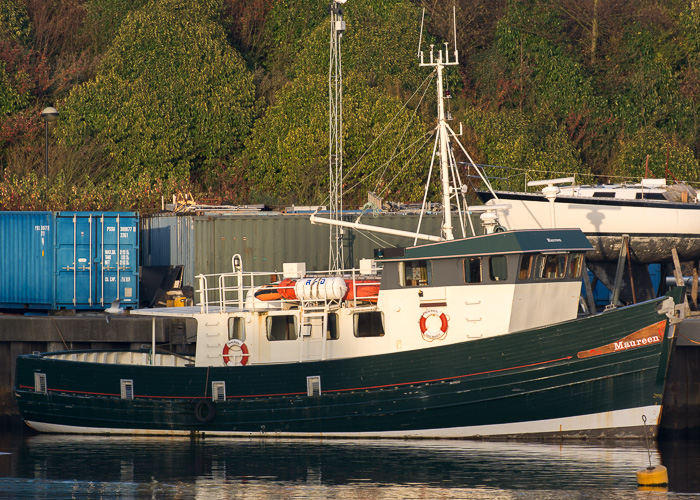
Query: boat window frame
pixel 526 274
pixel 504 268
pixel 469 271
pixel 241 334
pixel 355 324
pixel 416 265
pixel 275 318
pixel 544 259
pixel 576 258
pixel 333 330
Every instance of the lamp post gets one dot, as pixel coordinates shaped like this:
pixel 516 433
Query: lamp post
pixel 49 115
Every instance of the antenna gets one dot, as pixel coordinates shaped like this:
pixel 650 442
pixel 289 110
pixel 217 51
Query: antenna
pixel 335 136
pixel 420 38
pixel 454 25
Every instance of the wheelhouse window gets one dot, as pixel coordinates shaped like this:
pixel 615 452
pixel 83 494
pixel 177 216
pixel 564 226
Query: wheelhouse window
pixel 369 324
pixel 525 267
pixel 472 270
pixel 498 268
pixel 236 329
pixel 415 273
pixel 550 266
pixel 281 327
pixel 575 265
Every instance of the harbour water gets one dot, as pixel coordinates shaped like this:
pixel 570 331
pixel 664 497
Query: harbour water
pixel 58 467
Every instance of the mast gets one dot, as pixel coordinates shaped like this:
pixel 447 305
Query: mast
pixel 443 138
pixel 335 138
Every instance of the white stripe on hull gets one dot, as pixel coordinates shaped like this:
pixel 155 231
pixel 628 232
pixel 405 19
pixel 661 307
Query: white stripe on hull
pixel 613 424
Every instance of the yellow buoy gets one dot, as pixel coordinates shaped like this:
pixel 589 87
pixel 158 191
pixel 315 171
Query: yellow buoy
pixel 652 476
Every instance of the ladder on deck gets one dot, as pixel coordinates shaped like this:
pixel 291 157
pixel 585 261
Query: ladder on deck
pixel 314 323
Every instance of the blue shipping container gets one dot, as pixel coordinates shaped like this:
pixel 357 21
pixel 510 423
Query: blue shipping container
pixel 27 260
pixel 73 260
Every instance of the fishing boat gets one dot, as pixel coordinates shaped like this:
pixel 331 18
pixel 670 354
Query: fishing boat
pixel 469 337
pixel 655 216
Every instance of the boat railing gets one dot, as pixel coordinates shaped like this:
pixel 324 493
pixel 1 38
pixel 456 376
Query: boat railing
pixel 268 289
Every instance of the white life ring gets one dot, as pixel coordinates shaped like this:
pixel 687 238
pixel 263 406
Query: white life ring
pixel 429 327
pixel 229 353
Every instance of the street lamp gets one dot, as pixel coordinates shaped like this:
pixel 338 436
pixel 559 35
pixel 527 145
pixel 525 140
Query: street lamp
pixel 49 115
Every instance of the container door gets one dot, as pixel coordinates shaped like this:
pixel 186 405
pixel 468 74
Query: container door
pixel 75 273
pixel 27 260
pixel 96 259
pixel 117 255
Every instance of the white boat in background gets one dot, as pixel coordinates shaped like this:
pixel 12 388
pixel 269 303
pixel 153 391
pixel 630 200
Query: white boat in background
pixel 657 217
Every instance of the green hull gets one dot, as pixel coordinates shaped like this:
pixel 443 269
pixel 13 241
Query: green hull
pixel 561 373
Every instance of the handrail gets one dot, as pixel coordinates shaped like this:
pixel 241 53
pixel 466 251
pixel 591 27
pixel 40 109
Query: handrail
pixel 231 290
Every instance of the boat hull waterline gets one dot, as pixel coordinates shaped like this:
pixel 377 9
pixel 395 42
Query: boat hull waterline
pixel 590 377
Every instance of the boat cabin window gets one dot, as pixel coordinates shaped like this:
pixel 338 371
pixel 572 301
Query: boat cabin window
pixel 369 324
pixel 575 265
pixel 526 267
pixel 650 196
pixel 550 266
pixel 236 329
pixel 472 270
pixel 604 194
pixel 415 273
pixel 282 327
pixel 332 327
pixel 498 268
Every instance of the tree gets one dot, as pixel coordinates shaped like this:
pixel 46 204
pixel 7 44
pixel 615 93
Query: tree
pixel 521 147
pixel 651 153
pixel 287 153
pixel 171 97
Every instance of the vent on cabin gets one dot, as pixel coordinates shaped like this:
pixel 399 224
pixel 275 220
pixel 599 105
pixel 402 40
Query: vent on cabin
pixel 40 383
pixel 218 390
pixel 313 386
pixel 127 389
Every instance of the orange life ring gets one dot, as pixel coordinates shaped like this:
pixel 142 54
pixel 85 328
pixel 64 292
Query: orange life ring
pixel 431 335
pixel 229 357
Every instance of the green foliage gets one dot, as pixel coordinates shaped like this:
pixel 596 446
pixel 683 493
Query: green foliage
pixel 542 72
pixel 14 21
pixel 529 147
pixel 287 153
pixel 104 18
pixel 10 99
pixel 171 98
pixel 380 43
pixel 289 25
pixel 157 92
pixel 30 192
pixel 663 150
pixel 649 96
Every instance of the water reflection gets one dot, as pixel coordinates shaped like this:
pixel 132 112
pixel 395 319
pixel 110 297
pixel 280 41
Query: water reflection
pixel 47 466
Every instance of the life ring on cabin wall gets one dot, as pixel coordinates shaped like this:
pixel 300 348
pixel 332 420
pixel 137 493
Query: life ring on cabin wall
pixel 229 353
pixel 429 325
